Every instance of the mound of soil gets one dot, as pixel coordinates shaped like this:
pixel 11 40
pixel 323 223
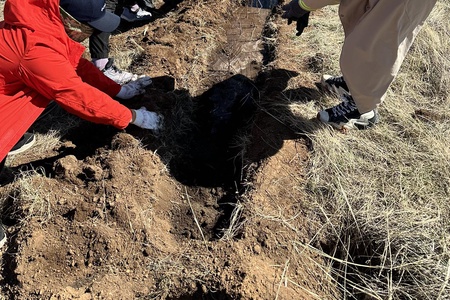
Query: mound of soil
pixel 209 209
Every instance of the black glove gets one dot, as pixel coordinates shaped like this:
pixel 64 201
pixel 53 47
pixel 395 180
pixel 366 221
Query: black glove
pixel 293 11
pixel 302 23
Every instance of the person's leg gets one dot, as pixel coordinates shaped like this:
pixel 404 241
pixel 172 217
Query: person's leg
pixel 99 49
pixel 376 43
pixel 378 34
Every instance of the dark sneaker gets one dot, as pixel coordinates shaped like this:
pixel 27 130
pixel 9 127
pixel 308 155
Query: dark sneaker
pixel 119 76
pixel 138 15
pixel 335 85
pixel 346 116
pixel 2 236
pixel 23 144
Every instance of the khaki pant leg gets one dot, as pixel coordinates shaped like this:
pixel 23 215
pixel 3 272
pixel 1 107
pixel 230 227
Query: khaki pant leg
pixel 378 34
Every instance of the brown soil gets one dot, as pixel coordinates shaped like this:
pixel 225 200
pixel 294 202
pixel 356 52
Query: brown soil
pixel 193 213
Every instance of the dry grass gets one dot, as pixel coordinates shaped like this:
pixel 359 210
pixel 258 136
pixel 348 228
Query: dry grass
pixel 384 192
pixel 33 196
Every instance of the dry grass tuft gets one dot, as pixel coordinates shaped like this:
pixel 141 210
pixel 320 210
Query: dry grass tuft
pixel 29 197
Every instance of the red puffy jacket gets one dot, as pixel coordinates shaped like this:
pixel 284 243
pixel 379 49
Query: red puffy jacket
pixel 40 63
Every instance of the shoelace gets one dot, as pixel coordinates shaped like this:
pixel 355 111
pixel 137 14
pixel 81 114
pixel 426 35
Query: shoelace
pixel 346 106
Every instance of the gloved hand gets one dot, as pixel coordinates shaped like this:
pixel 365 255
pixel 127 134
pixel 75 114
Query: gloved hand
pixel 147 119
pixel 302 23
pixel 134 88
pixel 293 11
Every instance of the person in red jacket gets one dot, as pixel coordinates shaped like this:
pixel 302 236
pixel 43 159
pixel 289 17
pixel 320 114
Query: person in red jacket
pixel 40 63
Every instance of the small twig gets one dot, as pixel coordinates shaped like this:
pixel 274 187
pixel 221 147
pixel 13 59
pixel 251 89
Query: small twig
pixel 193 213
pixel 283 278
pixel 137 45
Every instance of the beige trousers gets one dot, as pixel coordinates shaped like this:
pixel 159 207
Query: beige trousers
pixel 378 34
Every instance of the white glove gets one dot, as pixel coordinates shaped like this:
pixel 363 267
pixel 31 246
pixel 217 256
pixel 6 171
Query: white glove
pixel 148 119
pixel 134 88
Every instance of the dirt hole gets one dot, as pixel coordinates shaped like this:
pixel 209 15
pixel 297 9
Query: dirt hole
pixel 211 155
pixel 213 151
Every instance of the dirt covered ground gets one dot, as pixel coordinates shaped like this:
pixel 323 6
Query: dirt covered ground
pixel 208 209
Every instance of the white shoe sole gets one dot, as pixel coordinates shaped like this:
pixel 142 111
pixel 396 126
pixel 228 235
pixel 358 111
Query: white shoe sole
pixel 23 148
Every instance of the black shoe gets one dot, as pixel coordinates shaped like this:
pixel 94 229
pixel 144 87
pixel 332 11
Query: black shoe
pixel 335 85
pixel 2 236
pixel 346 116
pixel 23 144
